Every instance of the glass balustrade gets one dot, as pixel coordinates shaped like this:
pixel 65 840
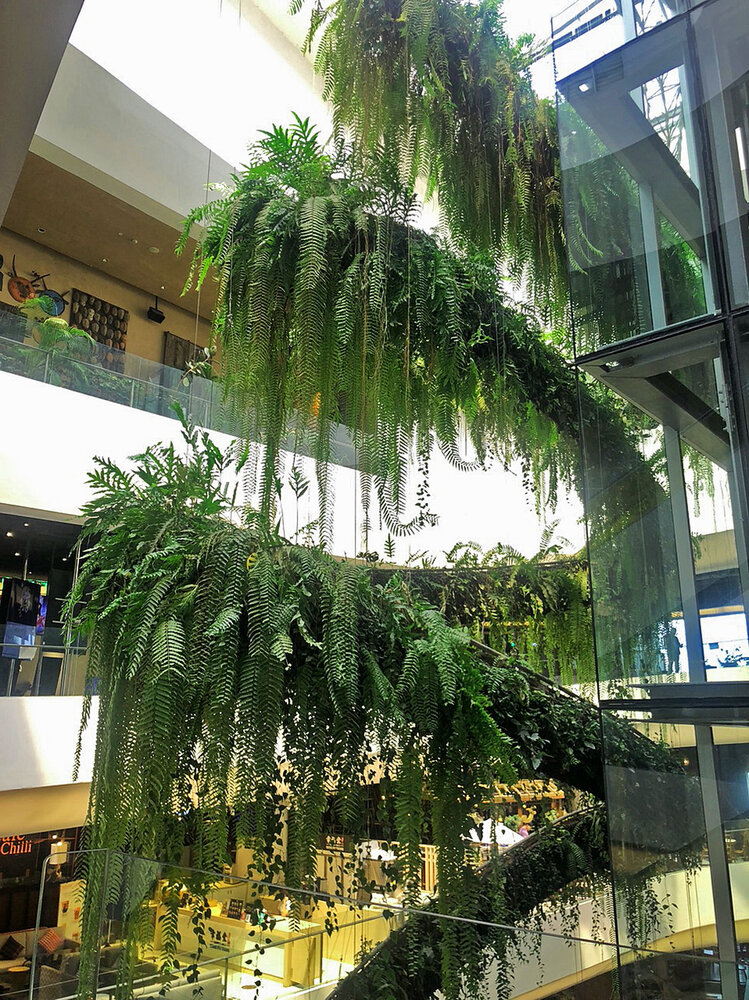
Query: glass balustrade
pixel 180 932
pixel 128 380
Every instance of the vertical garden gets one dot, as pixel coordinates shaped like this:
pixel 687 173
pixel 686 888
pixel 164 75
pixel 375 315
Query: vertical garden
pixel 247 681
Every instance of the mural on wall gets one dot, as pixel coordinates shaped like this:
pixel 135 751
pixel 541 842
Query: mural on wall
pixel 106 323
pixel 21 289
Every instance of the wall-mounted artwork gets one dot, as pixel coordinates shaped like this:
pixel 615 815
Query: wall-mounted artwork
pixel 106 323
pixel 178 352
pixel 22 289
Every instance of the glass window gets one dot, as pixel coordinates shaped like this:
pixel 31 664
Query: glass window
pixel 633 564
pixel 721 39
pixel 635 210
pixel 667 582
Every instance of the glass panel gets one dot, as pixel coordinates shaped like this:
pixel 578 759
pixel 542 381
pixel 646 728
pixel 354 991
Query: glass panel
pixel 684 542
pixel 634 574
pixel 721 38
pixel 239 937
pixel 657 834
pixel 732 769
pixel 589 28
pixel 708 480
pixel 632 188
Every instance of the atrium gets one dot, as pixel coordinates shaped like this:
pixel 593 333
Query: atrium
pixel 373 497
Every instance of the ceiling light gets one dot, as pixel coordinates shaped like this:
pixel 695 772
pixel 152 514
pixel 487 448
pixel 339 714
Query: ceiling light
pixel 163 287
pixel 64 558
pixel 25 524
pixel 41 229
pixel 8 534
pixel 134 242
pixel 120 234
pixel 584 87
pixel 16 553
pixel 104 260
pixel 153 250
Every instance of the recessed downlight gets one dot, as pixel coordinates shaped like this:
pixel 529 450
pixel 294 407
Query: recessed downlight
pixel 163 287
pixel 41 229
pixel 154 250
pixel 134 242
pixel 8 534
pixel 26 524
pixel 17 554
pixel 104 260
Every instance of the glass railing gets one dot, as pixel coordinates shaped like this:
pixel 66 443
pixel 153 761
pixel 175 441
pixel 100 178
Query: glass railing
pixel 44 670
pixel 112 375
pixel 183 933
pixel 118 377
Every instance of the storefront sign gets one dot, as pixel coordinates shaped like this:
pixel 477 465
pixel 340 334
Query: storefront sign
pixel 15 845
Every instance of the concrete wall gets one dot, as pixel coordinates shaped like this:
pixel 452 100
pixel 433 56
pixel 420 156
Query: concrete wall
pixel 98 129
pixel 33 36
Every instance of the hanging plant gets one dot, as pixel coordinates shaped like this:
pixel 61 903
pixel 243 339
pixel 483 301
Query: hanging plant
pixel 333 309
pixel 239 675
pixel 440 86
pixel 214 643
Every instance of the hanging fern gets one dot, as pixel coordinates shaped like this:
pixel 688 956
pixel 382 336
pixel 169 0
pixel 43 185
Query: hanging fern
pixel 442 89
pixel 330 312
pixel 214 643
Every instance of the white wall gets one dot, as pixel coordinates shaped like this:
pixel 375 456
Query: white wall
pixel 96 128
pixel 44 464
pixel 218 68
pixel 38 742
pixel 51 436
